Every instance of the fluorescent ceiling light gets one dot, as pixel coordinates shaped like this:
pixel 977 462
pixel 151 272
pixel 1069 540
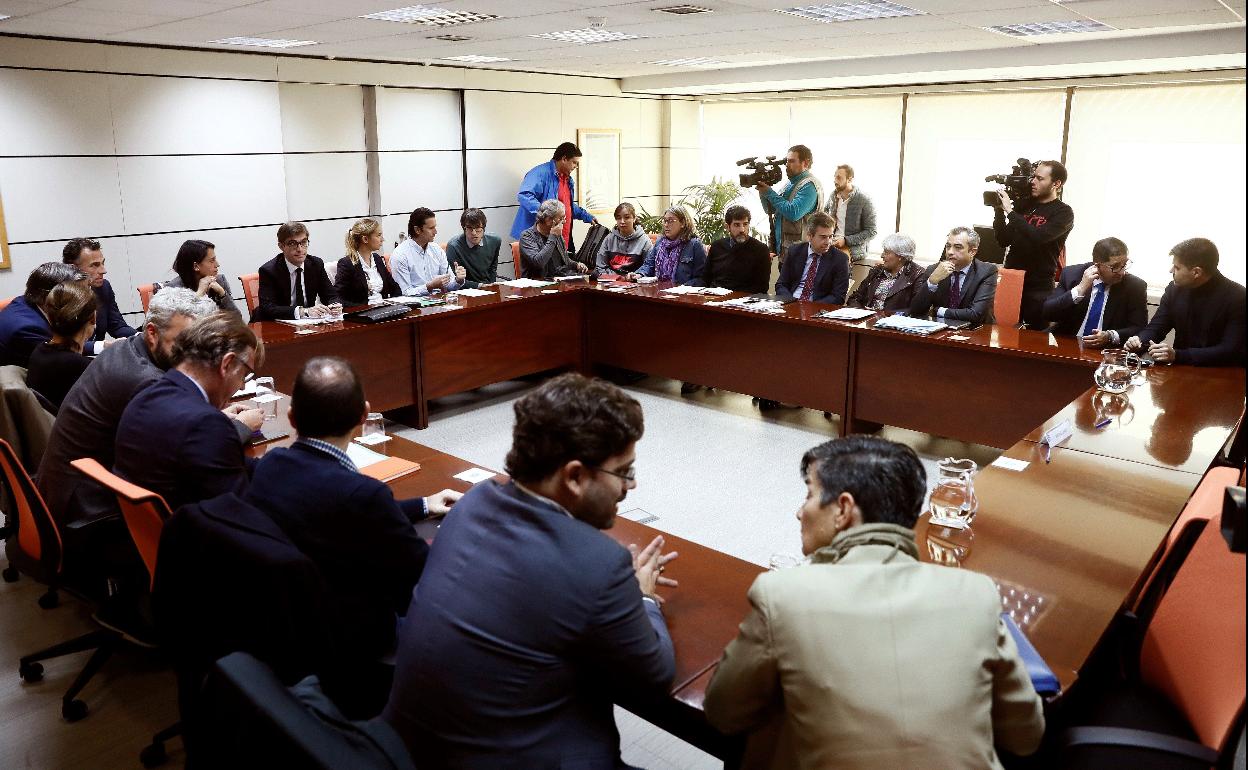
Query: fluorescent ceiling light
pixel 262 42
pixel 697 61
pixel 451 38
pixel 1050 28
pixel 427 15
pixel 682 10
pixel 852 11
pixel 586 36
pixel 472 58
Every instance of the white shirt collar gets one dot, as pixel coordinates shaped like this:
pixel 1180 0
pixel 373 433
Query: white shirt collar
pixel 292 267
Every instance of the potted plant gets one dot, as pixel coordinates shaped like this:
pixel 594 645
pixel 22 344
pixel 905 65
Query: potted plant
pixel 706 203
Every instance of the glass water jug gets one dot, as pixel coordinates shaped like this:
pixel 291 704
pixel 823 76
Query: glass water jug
pixel 953 502
pixel 1118 368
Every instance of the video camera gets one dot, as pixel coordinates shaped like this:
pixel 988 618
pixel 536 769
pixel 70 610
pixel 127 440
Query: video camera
pixel 1017 183
pixel 766 171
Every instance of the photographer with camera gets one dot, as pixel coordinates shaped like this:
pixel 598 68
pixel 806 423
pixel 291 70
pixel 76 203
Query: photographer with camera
pixel 1035 229
pixel 794 205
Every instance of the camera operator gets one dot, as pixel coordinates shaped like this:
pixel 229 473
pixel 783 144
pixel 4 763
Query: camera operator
pixel 1036 235
pixel 794 205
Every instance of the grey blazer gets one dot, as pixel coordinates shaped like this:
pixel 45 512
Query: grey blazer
pixel 859 223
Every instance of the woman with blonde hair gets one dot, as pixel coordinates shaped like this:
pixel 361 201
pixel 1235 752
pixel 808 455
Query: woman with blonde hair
pixel 678 256
pixel 363 277
pixel 58 363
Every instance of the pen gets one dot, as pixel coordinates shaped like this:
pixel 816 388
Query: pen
pixel 1048 452
pixel 1103 423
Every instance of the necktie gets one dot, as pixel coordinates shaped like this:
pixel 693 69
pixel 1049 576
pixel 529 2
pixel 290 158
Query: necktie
pixel 1093 323
pixel 955 290
pixel 808 282
pixel 299 300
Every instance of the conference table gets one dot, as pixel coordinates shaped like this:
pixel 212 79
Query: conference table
pixel 1068 533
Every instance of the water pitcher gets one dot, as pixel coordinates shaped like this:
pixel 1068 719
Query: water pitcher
pixel 1118 367
pixel 953 501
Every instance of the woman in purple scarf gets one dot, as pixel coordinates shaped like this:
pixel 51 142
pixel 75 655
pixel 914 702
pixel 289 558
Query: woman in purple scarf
pixel 678 256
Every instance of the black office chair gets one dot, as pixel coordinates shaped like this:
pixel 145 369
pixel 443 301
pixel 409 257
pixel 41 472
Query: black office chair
pixel 250 719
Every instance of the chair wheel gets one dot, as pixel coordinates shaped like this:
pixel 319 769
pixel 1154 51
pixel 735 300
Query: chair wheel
pixel 153 755
pixel 50 600
pixel 10 574
pixel 30 672
pixel 73 710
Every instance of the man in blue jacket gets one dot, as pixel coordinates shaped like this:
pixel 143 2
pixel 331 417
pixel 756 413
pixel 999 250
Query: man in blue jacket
pixel 552 181
pixel 23 324
pixel 88 257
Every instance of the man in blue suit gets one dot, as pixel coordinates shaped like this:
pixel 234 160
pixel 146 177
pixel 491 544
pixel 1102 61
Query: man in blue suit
pixel 173 438
pixel 23 324
pixel 88 257
pixel 815 271
pixel 552 180
pixel 361 538
pixel 528 621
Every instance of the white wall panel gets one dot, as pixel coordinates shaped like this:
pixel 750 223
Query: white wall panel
pixel 686 124
pixel 54 113
pixel 60 198
pixel 412 179
pixel 417 120
pixel 602 112
pixel 326 185
pixel 494 176
pixel 318 118
pixel 649 124
pixel 500 120
pixel 201 192
pixel 684 169
pixel 185 115
pixel 24 257
pixel 641 172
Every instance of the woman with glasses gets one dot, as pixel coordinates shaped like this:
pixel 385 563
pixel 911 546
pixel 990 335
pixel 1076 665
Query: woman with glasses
pixel 678 255
pixel 198 270
pixel 892 284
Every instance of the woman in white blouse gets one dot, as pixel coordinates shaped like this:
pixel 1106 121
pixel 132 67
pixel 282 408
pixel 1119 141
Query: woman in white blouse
pixel 362 277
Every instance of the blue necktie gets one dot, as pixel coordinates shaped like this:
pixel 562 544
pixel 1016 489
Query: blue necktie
pixel 1093 324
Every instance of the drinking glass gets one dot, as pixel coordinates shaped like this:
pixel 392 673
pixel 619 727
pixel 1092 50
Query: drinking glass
pixel 264 386
pixel 335 312
pixel 375 425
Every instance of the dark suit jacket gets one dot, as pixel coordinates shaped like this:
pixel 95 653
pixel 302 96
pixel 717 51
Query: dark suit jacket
pixel 900 294
pixel 108 319
pixel 1126 306
pixel 737 266
pixel 22 327
pixel 351 527
pixel 979 291
pixel 831 279
pixel 527 623
pixel 352 285
pixel 173 442
pixel 275 288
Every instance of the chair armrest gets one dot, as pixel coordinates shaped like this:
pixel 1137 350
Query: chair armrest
pixel 1139 739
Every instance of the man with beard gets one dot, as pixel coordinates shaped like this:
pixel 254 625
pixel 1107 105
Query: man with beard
pixel 855 219
pixel 795 204
pixel 1036 236
pixel 739 262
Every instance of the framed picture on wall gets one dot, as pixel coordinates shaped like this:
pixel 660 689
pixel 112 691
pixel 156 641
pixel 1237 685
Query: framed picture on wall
pixel 5 264
pixel 598 178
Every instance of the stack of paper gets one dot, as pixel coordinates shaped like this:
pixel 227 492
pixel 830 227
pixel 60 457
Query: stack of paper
pixel 901 323
pixel 525 283
pixel 297 322
pixel 846 314
pixel 711 290
pixel 474 293
pixel 753 304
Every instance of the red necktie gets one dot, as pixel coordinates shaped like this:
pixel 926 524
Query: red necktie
pixel 808 283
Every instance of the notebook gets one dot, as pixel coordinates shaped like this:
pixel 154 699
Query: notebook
pixel 1042 678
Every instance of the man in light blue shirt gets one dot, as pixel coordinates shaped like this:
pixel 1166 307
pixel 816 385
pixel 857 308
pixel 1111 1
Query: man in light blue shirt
pixel 793 206
pixel 419 264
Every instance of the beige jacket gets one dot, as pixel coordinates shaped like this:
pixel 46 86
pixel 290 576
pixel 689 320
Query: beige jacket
pixel 24 423
pixel 867 664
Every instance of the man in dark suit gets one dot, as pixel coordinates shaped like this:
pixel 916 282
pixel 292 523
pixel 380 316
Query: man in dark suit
pixel 959 287
pixel 294 284
pixel 23 324
pixel 86 255
pixel 173 438
pixel 814 271
pixel 1099 301
pixel 349 524
pixel 528 621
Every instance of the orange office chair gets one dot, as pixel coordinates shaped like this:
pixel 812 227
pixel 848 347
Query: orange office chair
pixel 1009 297
pixel 145 294
pixel 1187 687
pixel 515 258
pixel 251 289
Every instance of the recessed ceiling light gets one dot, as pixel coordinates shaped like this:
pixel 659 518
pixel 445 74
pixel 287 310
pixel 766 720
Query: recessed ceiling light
pixel 682 10
pixel 451 38
pixel 3 17
pixel 262 42
pixel 472 58
pixel 697 61
pixel 433 17
pixel 852 11
pixel 586 36
pixel 1050 28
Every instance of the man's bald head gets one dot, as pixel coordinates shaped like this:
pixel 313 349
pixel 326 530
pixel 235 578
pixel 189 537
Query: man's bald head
pixel 328 399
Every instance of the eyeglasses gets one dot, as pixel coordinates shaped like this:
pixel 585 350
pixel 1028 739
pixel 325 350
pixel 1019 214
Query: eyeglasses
pixel 670 220
pixel 1119 268
pixel 628 475
pixel 292 244
pixel 251 373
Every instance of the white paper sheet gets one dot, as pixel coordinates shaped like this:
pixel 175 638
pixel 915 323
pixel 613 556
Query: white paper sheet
pixel 473 475
pixel 363 456
pixel 1010 464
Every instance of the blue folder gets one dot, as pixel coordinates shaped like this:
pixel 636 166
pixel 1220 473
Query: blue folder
pixel 1041 677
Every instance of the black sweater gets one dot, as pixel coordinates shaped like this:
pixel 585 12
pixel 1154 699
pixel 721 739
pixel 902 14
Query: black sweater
pixel 737 266
pixel 53 371
pixel 1037 240
pixel 1208 323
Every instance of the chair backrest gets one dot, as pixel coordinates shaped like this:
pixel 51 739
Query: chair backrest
pixel 5 303
pixel 1009 296
pixel 1193 649
pixel 654 237
pixel 251 289
pixel 145 512
pixel 38 539
pixel 145 294
pixel 25 417
pixel 515 258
